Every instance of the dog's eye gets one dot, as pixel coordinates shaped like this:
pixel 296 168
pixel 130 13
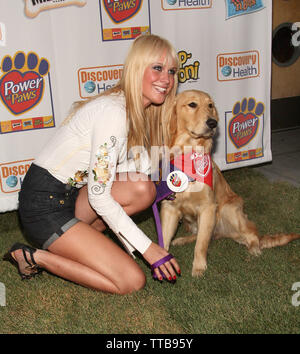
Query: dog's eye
pixel 192 104
pixel 211 105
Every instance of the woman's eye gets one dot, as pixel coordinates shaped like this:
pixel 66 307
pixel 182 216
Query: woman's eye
pixel 172 71
pixel 158 67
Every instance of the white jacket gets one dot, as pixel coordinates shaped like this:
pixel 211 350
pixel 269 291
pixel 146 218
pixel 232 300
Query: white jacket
pixel 91 148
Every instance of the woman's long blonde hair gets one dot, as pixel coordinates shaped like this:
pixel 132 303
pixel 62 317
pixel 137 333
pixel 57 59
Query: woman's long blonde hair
pixel 147 126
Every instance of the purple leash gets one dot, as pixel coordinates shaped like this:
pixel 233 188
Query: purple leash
pixel 162 192
pixel 158 225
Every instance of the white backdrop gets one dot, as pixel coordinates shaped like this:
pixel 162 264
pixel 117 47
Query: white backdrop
pixel 53 53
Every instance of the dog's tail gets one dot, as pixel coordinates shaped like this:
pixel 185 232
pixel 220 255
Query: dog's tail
pixel 269 241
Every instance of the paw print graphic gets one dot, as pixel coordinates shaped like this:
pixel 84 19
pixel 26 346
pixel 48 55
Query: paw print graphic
pixel 243 126
pixel 22 83
pixel 22 62
pixel 248 106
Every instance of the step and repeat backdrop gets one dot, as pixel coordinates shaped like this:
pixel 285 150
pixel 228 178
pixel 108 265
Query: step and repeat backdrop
pixel 55 52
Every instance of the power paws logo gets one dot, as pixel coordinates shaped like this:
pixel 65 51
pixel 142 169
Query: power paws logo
pixel 121 10
pixel 245 130
pixel 242 7
pixel 113 13
pixel 23 83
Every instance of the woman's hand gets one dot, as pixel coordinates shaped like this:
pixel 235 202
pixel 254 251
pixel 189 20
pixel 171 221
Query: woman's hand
pixel 153 254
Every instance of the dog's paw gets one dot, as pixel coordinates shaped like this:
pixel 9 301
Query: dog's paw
pixel 183 240
pixel 179 241
pixel 199 267
pixel 255 251
pixel 198 272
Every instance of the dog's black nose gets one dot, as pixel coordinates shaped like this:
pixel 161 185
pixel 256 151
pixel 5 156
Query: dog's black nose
pixel 211 123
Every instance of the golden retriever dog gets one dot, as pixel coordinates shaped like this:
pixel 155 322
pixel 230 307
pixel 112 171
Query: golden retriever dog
pixel 207 212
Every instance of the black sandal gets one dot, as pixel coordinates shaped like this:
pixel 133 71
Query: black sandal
pixel 25 268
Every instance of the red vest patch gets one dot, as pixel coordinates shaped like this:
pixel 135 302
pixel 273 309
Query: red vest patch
pixel 196 166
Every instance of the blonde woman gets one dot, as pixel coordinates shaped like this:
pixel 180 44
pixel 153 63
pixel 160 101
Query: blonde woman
pixel 84 181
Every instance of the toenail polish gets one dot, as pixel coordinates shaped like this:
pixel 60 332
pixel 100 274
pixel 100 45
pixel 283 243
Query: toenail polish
pixel 170 278
pixel 174 277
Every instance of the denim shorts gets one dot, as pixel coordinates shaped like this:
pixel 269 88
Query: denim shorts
pixel 46 207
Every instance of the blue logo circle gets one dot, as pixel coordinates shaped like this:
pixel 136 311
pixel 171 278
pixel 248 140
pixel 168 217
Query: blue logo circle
pixel 226 71
pixel 12 181
pixel 171 2
pixel 90 86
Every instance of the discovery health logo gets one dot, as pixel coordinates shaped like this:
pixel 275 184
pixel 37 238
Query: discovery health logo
pixel 95 80
pixel 12 174
pixel 185 4
pixel 238 66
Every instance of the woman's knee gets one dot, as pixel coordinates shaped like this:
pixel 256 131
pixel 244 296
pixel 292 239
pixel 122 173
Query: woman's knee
pixel 134 281
pixel 145 191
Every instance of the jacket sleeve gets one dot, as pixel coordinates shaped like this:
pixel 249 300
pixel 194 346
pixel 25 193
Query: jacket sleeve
pixel 108 136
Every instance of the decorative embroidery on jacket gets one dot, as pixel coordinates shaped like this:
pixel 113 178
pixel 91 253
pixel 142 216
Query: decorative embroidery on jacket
pixel 102 168
pixel 79 179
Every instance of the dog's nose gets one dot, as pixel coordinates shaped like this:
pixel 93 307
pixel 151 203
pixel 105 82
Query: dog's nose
pixel 211 123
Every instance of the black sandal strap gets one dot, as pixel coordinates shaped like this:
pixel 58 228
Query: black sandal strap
pixel 25 257
pixel 31 251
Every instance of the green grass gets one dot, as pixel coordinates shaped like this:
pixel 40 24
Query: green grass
pixel 239 293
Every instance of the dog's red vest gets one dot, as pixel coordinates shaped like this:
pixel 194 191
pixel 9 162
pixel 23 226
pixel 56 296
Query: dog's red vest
pixel 196 166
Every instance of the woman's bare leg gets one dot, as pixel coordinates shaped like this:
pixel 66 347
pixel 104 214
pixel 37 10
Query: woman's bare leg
pixel 86 256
